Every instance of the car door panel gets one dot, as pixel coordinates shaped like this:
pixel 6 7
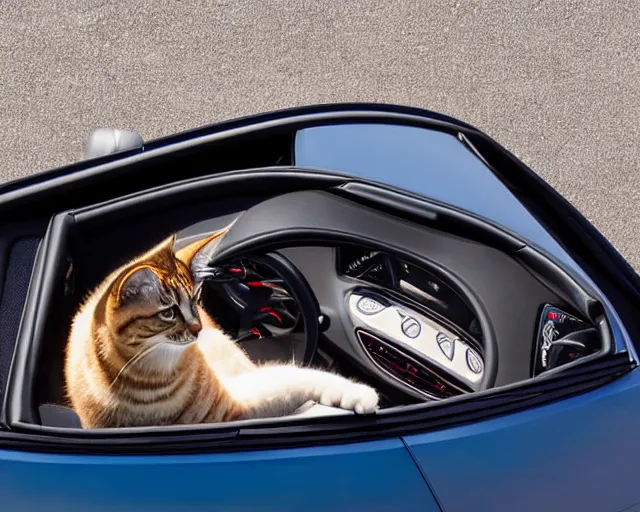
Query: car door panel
pixel 582 453
pixel 379 475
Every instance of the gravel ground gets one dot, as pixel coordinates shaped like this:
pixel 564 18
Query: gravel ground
pixel 555 81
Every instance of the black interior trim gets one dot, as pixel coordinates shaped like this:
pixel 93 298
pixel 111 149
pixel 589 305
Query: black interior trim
pixel 559 282
pixel 13 231
pixel 19 266
pixel 49 260
pixel 262 182
pixel 563 285
pixel 87 183
pixel 431 213
pixel 437 416
pixel 301 432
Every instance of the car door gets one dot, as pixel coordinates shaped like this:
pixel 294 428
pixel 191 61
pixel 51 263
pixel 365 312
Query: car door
pixel 582 453
pixel 378 475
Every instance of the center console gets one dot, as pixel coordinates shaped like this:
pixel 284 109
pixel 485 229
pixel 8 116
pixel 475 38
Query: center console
pixel 412 324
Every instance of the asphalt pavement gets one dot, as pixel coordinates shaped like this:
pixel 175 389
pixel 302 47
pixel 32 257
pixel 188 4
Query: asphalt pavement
pixel 555 81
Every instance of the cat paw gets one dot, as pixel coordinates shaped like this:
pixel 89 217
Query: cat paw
pixel 355 397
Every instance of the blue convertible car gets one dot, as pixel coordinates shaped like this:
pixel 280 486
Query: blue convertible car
pixel 394 245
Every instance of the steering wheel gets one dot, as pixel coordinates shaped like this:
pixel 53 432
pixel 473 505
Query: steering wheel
pixel 282 304
pixel 301 293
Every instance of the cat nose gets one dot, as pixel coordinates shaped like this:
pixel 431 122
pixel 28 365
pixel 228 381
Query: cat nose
pixel 194 326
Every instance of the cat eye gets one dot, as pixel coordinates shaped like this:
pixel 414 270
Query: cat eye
pixel 167 315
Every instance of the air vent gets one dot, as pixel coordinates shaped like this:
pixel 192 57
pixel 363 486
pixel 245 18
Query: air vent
pixel 405 368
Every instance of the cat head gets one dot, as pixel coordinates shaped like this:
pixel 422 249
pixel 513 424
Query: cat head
pixel 151 304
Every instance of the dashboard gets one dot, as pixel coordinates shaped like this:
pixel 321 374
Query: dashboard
pixel 427 312
pixel 413 327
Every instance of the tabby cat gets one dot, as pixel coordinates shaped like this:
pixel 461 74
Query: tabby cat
pixel 143 352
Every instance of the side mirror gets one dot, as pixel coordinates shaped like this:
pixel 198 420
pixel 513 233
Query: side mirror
pixel 105 141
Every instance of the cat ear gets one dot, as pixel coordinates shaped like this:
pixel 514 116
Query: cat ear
pixel 164 248
pixel 137 285
pixel 128 281
pixel 198 254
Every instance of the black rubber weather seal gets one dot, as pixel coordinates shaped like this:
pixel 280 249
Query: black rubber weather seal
pixel 328 430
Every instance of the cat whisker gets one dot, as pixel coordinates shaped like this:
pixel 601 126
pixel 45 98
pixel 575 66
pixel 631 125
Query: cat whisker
pixel 198 290
pixel 134 360
pixel 204 274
